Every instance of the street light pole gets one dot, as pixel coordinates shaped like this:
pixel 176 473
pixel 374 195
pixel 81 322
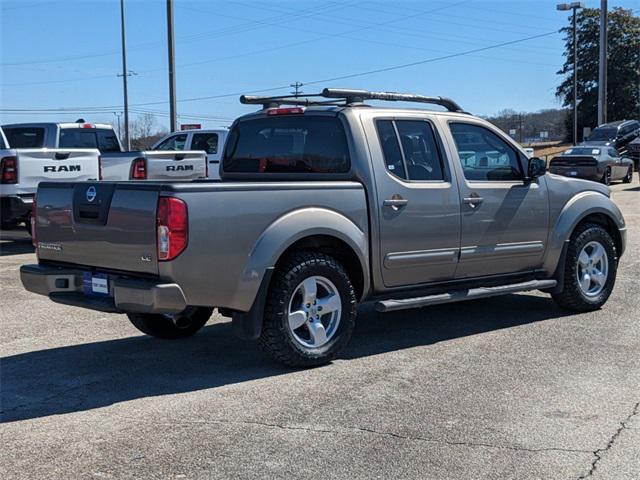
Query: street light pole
pixel 172 73
pixel 574 6
pixel 124 79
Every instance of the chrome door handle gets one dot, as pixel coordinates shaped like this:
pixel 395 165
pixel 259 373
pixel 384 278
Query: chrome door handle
pixel 395 202
pixel 472 201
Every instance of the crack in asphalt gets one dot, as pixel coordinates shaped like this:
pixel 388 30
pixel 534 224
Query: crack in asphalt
pixel 598 454
pixel 387 434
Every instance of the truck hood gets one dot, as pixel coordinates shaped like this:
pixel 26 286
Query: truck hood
pixel 576 185
pixel 601 143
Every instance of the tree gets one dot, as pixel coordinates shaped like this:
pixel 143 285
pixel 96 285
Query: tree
pixel 144 132
pixel 623 67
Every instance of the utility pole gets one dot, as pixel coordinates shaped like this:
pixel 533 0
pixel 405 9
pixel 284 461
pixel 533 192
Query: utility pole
pixel 574 6
pixel 125 74
pixel 602 65
pixel 296 86
pixel 172 67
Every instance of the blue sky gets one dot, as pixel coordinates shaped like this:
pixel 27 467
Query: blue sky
pixel 66 54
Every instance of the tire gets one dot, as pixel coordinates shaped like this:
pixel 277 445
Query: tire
pixel 573 296
pixel 606 177
pixel 307 337
pixel 171 327
pixel 629 177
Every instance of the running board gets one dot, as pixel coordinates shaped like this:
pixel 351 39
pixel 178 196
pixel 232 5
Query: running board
pixel 460 295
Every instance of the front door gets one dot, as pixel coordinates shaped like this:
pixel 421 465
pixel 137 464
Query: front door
pixel 418 206
pixel 504 219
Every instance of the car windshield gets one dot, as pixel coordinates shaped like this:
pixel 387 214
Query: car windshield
pixel 582 151
pixel 603 134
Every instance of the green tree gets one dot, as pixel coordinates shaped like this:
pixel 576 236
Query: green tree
pixel 623 67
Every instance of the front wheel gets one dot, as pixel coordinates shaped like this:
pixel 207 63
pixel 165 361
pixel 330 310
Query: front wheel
pixel 606 177
pixel 589 269
pixel 171 326
pixel 310 311
pixel 629 176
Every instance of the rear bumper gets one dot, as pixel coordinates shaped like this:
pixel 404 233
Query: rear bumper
pixel 127 294
pixel 586 173
pixel 15 207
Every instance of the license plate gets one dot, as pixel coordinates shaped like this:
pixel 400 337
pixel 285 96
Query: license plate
pixel 95 284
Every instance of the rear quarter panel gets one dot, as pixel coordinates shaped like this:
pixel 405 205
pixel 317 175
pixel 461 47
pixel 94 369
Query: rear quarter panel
pixel 237 230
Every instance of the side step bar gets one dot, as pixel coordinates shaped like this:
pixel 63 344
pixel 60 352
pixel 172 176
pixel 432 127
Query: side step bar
pixel 460 295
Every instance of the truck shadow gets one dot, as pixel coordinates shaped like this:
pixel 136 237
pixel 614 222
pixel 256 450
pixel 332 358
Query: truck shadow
pixel 15 242
pixel 93 375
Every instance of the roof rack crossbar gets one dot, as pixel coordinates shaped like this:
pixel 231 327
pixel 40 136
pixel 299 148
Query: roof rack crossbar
pixel 343 97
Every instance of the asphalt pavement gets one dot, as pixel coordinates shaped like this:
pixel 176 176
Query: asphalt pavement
pixel 501 388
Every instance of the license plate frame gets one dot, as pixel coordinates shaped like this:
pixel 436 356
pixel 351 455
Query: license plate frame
pixel 96 284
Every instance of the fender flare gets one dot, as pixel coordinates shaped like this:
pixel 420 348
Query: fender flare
pixel 273 242
pixel 574 211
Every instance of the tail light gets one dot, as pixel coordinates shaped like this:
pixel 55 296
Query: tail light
pixel 285 111
pixel 172 223
pixel 9 170
pixel 138 169
pixel 99 167
pixel 206 167
pixel 32 220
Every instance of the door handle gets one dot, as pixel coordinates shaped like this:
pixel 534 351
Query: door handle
pixel 395 202
pixel 472 201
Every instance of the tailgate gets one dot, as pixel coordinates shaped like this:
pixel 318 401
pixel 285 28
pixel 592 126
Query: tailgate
pixel 99 224
pixel 182 165
pixel 56 164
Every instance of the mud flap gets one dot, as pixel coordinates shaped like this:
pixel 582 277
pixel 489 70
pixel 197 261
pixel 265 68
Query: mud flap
pixel 248 325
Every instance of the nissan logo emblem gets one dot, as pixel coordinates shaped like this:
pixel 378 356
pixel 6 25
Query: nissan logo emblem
pixel 91 194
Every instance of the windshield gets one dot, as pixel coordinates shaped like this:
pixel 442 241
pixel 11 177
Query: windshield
pixel 287 144
pixel 603 134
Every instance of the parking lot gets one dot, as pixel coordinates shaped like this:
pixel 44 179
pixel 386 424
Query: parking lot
pixel 507 387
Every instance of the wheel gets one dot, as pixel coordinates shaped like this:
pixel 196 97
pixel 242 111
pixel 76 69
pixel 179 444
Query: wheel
pixel 606 177
pixel 179 325
pixel 310 312
pixel 589 270
pixel 629 176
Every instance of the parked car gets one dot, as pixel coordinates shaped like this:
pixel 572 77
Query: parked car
pixel 116 164
pixel 633 150
pixel 324 206
pixel 600 164
pixel 615 134
pixel 21 169
pixel 211 141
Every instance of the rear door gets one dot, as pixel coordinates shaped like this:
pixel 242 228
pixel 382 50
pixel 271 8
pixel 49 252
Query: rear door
pixel 185 165
pixel 419 210
pixel 504 219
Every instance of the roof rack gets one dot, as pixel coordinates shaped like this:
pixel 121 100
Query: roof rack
pixel 347 97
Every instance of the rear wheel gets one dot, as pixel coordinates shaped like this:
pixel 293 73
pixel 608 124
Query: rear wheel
pixel 589 270
pixel 310 312
pixel 171 326
pixel 629 176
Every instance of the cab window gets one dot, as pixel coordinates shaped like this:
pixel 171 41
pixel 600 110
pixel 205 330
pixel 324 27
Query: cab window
pixel 410 149
pixel 205 141
pixel 175 142
pixel 485 156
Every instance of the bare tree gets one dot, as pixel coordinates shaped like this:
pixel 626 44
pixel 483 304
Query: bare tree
pixel 144 132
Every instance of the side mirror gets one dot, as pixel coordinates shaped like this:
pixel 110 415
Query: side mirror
pixel 536 168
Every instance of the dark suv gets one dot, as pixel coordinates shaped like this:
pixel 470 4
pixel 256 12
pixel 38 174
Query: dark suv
pixel 615 134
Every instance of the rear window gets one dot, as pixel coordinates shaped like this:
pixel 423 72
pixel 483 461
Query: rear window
pixel 25 137
pixel 107 141
pixel 287 144
pixel 77 138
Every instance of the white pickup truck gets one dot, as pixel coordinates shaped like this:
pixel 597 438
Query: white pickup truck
pixel 211 141
pixel 115 164
pixel 22 169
